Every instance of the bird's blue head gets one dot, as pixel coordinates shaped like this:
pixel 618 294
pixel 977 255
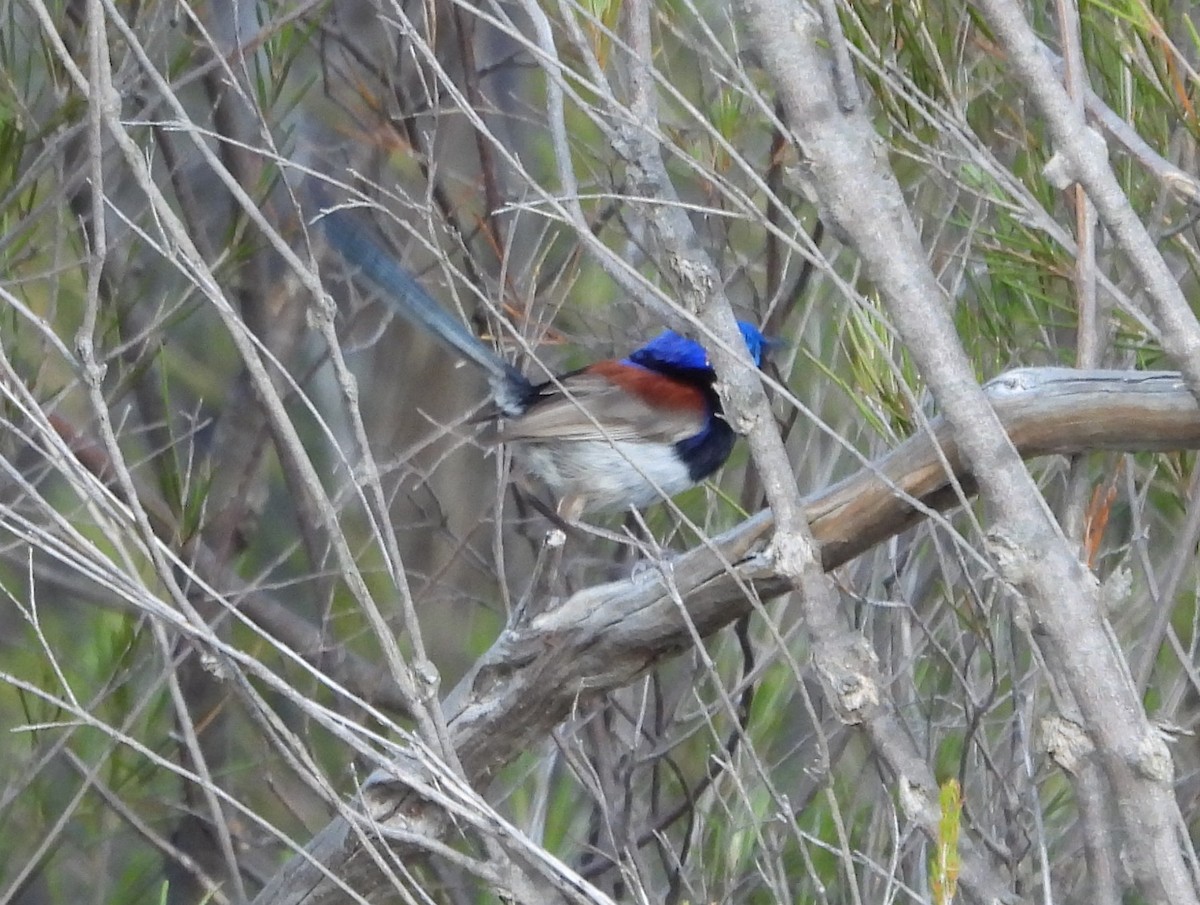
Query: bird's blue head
pixel 670 350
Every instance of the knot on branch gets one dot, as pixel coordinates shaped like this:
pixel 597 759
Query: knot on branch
pixel 790 554
pixel 850 674
pixel 1009 557
pixel 1066 743
pixel 395 799
pixel 918 802
pixel 1153 758
pixel 1062 171
pixel 739 412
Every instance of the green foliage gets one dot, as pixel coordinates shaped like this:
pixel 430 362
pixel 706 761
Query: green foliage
pixel 665 767
pixel 944 865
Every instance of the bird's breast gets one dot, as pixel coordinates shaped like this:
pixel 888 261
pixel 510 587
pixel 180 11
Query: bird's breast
pixel 608 475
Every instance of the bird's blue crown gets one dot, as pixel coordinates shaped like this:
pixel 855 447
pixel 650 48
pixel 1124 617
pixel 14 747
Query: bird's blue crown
pixel 670 349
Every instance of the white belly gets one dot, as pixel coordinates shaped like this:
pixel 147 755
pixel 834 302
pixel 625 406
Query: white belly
pixel 607 476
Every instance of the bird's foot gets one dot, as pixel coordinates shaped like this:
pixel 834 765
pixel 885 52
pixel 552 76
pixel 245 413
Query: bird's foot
pixel 660 565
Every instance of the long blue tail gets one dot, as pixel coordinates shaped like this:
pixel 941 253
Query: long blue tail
pixel 410 300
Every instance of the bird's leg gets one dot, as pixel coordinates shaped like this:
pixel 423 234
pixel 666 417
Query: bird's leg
pixel 652 558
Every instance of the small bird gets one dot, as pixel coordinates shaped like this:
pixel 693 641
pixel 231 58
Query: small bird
pixel 615 434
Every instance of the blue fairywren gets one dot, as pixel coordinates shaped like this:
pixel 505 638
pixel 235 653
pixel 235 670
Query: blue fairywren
pixel 615 434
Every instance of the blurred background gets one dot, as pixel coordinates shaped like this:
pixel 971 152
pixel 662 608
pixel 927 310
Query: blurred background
pixel 235 491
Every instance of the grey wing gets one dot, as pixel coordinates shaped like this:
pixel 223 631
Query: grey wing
pixel 595 409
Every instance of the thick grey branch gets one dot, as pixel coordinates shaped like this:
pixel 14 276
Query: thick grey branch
pixel 863 202
pixel 605 637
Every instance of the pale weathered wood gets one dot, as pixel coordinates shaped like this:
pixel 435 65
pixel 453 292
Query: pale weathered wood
pixel 606 636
